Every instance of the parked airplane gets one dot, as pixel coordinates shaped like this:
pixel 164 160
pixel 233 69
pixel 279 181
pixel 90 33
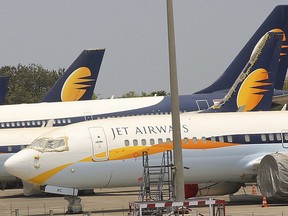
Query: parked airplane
pixel 78 81
pixel 107 152
pixel 218 148
pixel 36 115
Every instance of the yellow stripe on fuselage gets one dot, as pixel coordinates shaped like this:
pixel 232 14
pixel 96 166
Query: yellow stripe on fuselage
pixel 39 179
pixel 133 152
pixel 136 151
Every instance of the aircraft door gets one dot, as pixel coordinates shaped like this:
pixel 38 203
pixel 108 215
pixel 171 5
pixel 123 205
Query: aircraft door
pixel 202 104
pixel 100 151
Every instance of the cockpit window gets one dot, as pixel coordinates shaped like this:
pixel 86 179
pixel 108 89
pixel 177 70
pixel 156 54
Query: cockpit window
pixel 50 145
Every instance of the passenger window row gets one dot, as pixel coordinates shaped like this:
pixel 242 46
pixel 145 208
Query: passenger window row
pixel 33 123
pixel 228 138
pixel 144 142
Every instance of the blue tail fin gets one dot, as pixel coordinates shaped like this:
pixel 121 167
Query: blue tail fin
pixel 78 81
pixel 277 20
pixel 4 80
pixel 254 87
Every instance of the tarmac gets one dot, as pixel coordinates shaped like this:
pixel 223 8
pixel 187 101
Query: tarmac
pixel 115 201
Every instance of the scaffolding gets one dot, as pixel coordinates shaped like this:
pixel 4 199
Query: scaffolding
pixel 156 192
pixel 157 180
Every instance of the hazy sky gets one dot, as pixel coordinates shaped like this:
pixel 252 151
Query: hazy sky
pixel 209 34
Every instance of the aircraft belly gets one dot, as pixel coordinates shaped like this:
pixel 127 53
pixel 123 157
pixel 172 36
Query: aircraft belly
pixel 83 175
pixel 211 170
pixel 216 165
pixel 129 172
pixel 126 172
pixel 201 166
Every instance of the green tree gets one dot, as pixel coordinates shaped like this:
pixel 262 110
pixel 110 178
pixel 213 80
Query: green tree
pixel 159 93
pixel 28 84
pixel 131 94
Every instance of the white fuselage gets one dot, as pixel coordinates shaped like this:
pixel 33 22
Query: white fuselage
pixel 21 124
pixel 108 153
pixel 29 115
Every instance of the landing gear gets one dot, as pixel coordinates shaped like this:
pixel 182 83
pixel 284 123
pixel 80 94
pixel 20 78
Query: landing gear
pixel 74 206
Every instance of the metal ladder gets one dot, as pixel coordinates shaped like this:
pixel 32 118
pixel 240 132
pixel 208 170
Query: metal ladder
pixel 157 180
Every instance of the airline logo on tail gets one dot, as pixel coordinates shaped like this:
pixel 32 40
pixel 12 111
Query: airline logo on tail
pixel 254 86
pixel 77 84
pixel 252 89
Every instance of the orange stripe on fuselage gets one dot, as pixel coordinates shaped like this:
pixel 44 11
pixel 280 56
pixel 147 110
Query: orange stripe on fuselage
pixel 134 152
pixel 39 179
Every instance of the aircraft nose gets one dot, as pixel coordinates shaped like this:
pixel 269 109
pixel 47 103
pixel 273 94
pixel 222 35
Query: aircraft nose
pixel 19 164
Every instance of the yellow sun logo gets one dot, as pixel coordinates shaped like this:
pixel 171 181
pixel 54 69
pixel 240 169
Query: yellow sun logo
pixel 76 85
pixel 251 91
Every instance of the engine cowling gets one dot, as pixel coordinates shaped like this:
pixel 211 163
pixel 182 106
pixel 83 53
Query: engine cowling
pixel 272 176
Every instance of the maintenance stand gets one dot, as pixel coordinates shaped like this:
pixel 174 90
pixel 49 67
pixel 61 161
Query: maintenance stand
pixel 156 192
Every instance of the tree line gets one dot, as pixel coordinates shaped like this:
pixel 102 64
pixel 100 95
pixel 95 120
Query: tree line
pixel 29 84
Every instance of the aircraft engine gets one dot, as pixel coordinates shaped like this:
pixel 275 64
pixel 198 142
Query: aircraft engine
pixel 272 176
pixel 211 189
